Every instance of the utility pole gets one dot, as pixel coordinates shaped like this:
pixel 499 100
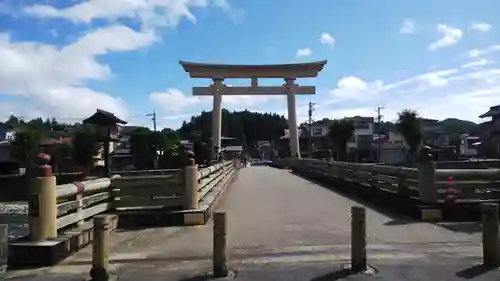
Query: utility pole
pixel 379 129
pixel 153 117
pixel 309 130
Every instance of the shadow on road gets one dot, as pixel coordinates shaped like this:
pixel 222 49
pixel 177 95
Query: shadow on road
pixel 399 222
pixel 336 275
pixel 203 277
pixel 474 271
pixel 343 273
pixel 397 218
pixel 465 227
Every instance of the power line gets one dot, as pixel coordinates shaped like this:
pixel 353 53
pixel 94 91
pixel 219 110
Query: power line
pixel 153 117
pixel 379 130
pixel 311 110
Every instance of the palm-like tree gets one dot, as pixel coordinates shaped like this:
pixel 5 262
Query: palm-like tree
pixel 341 131
pixel 409 125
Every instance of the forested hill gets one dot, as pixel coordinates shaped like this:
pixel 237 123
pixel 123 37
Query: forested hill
pixel 248 126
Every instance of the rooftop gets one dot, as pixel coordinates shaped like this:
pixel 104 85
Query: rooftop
pixel 102 117
pixel 494 111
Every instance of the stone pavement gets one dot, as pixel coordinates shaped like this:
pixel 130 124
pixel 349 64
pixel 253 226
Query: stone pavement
pixel 282 227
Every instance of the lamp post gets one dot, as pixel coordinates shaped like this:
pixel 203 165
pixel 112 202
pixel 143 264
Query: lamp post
pixel 107 123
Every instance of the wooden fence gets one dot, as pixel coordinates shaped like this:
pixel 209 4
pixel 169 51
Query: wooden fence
pixel 148 190
pixel 163 189
pixel 77 202
pixel 82 200
pixel 424 183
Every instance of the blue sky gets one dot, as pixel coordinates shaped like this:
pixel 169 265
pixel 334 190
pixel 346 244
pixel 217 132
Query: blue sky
pixel 65 58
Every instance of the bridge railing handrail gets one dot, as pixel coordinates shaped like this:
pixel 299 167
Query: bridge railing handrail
pixel 146 172
pixel 427 183
pixel 80 200
pixel 76 202
pixel 210 177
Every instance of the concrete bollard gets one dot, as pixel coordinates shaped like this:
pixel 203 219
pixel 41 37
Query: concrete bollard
pixel 220 244
pixel 100 258
pixel 191 185
pixel 426 176
pixel 491 239
pixel 358 238
pixel 42 204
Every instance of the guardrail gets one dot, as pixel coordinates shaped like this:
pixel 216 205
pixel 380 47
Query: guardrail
pixel 53 207
pixel 424 183
pixel 81 200
pixel 165 189
pixel 146 172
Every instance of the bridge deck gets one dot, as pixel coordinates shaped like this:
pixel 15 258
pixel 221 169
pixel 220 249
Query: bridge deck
pixel 277 219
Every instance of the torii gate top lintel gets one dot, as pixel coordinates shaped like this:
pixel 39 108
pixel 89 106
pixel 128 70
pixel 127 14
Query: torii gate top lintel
pixel 223 71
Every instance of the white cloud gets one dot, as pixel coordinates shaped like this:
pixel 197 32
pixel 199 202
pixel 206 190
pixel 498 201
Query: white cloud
pixel 172 99
pixel 302 53
pixel 451 36
pixel 474 53
pixel 408 27
pixel 51 80
pixel 327 39
pixel 462 92
pixel 54 78
pixel 353 88
pixel 481 52
pixel 481 27
pixel 477 63
pixel 150 13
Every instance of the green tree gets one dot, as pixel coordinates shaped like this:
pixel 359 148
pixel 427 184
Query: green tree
pixel 25 147
pixel 172 137
pixel 85 147
pixel 59 152
pixel 409 125
pixel 12 121
pixel 341 131
pixel 254 126
pixel 141 148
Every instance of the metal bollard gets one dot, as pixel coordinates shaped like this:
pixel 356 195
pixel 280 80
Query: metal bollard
pixel 491 239
pixel 219 244
pixel 358 238
pixel 100 258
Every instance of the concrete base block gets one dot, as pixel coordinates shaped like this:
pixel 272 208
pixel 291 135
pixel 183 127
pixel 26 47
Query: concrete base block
pixel 201 215
pixel 25 253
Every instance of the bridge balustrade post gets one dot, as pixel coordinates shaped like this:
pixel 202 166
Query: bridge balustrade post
pixel 358 238
pixel 42 203
pixel 191 185
pixel 220 245
pixel 491 239
pixel 100 255
pixel 427 177
pixel 403 190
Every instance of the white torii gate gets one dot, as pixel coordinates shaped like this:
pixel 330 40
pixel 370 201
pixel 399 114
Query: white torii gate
pixel 288 72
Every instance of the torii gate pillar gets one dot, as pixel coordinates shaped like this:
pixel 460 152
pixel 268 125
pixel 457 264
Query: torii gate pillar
pixel 217 115
pixel 292 118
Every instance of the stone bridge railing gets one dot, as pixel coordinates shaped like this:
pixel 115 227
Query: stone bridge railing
pixel 424 183
pixel 54 207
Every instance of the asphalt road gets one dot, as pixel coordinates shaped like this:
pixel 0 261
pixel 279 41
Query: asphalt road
pixel 283 227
